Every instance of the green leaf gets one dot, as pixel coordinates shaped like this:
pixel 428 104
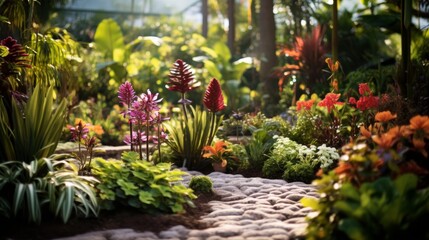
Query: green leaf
pixel 212 69
pixel 405 183
pixel 34 213
pixel 146 197
pixel 108 37
pixel 67 203
pixel 18 197
pixel 310 202
pixel 222 51
pixel 129 188
pixel 354 230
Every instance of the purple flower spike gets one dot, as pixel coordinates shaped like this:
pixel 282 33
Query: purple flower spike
pixel 126 94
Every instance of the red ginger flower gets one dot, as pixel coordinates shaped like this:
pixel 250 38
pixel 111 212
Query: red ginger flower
pixel 182 78
pixel 213 99
pixel 330 100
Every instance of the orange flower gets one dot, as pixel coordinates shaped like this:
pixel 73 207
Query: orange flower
pixel 216 152
pixel 396 131
pixel 420 144
pixel 385 141
pixel 343 167
pixel 384 116
pixel 97 129
pixel 365 132
pixel 420 125
pixel 333 67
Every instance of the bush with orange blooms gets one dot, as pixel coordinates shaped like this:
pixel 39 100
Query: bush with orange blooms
pixel 386 159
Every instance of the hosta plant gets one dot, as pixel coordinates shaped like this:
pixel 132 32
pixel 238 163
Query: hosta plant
pixel 141 185
pixel 43 187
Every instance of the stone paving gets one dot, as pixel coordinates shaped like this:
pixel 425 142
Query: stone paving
pixel 249 209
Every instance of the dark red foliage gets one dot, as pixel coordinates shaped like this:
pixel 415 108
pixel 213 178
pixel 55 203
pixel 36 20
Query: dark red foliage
pixel 16 58
pixel 213 99
pixel 182 78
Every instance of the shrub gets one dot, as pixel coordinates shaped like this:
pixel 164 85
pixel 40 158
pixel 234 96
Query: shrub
pixel 140 184
pixel 201 184
pixel 305 129
pixel 288 158
pixel 258 147
pixel 379 190
pixel 303 171
pixel 383 209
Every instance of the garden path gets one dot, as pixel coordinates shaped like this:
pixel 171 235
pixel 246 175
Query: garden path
pixel 250 208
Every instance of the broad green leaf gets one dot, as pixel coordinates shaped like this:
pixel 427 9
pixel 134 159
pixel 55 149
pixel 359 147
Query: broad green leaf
pixel 212 69
pixel 146 197
pixel 310 202
pixel 354 230
pixel 129 188
pixel 223 51
pixel 108 37
pixel 405 183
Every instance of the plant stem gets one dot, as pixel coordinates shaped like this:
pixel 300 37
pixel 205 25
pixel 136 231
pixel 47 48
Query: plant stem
pixel 139 141
pixel 212 130
pixel 131 135
pixel 184 107
pixel 147 136
pixel 159 142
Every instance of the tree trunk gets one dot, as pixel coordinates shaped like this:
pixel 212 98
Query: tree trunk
pixel 335 31
pixel 231 26
pixel 205 13
pixel 267 50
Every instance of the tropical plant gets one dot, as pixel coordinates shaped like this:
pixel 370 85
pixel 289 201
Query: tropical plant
pixel 201 184
pixel 34 129
pixel 140 184
pixel 221 155
pixel 46 185
pixel 187 139
pixel 258 147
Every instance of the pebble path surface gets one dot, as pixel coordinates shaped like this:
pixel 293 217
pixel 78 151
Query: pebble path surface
pixel 249 209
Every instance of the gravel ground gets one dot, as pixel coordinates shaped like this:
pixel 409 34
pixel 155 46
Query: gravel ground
pixel 250 208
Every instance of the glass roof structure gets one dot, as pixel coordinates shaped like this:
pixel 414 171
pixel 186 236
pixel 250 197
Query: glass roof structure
pixel 138 7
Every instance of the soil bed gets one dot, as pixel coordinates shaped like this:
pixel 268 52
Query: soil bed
pixel 124 218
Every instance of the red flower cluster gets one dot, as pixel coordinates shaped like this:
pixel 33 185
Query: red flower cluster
pixel 366 100
pixel 304 104
pixel 182 78
pixel 330 100
pixel 213 99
